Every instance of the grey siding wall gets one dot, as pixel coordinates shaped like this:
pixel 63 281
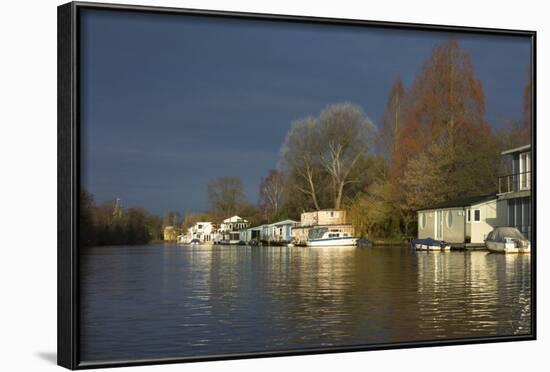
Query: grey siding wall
pixel 452 233
pixel 488 214
pixel 502 212
pixel 426 230
pixel 456 232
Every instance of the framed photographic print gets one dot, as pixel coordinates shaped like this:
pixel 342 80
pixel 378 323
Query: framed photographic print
pixel 235 185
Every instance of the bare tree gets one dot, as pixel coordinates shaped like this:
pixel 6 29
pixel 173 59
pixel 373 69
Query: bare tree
pixel 392 121
pixel 300 156
pixel 345 135
pixel 272 190
pixel 226 196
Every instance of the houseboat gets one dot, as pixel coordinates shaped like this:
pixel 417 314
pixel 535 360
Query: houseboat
pixel 311 222
pixel 459 222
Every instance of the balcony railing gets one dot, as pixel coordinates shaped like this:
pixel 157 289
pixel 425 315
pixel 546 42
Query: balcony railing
pixel 514 182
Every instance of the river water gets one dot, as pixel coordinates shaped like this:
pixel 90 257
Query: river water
pixel 162 301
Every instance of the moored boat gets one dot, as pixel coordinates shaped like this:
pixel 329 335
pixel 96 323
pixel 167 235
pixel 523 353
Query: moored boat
pixel 430 244
pixel 332 238
pixel 507 240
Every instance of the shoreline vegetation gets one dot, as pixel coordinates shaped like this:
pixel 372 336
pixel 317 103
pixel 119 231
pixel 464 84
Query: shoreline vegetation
pixel 433 144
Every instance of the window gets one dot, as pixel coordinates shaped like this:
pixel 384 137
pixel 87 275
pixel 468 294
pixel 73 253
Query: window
pixel 422 220
pixel 477 215
pixel 469 216
pixel 524 171
pixel 332 214
pixel 449 219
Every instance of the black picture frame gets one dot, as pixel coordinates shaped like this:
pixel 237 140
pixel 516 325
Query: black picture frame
pixel 68 181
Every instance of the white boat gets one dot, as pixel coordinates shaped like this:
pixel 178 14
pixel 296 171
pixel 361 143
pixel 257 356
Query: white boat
pixel 332 238
pixel 430 244
pixel 507 240
pixel 438 248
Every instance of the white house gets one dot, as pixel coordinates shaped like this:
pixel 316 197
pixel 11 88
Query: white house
pixel 203 231
pixel 230 228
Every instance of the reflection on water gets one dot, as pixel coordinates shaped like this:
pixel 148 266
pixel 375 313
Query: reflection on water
pixel 161 301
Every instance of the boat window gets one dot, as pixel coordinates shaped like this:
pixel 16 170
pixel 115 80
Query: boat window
pixel 449 219
pixel 477 215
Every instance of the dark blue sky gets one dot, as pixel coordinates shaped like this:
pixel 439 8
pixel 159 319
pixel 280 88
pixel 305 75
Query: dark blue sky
pixel 170 102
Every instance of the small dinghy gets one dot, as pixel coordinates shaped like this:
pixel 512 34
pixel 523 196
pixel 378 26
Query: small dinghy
pixel 430 244
pixel 507 240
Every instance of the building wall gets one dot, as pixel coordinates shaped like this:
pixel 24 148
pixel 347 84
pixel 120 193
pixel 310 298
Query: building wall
pixel 460 231
pixel 453 233
pixel 280 232
pixel 487 223
pixel 502 212
pixel 327 217
pixel 299 234
pixel 514 207
pixel 170 233
pixel 204 231
pixel 515 212
pixel 250 233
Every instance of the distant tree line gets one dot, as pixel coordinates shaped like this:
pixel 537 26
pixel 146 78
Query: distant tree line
pixel 111 224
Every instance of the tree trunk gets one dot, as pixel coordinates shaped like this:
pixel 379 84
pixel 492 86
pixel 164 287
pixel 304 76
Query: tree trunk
pixel 313 193
pixel 338 199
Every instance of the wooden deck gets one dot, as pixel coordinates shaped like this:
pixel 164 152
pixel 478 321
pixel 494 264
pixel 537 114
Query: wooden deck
pixel 468 247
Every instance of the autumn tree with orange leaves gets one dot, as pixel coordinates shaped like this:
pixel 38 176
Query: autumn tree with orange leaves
pixel 392 122
pixel 445 123
pixel 525 132
pixel 435 138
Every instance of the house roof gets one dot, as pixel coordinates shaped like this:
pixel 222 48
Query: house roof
pixel 234 219
pixel 466 202
pixel 259 227
pixel 325 210
pixel 285 222
pixel 517 149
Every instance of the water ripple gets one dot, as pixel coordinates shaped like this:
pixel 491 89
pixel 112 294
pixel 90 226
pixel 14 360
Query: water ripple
pixel 173 301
